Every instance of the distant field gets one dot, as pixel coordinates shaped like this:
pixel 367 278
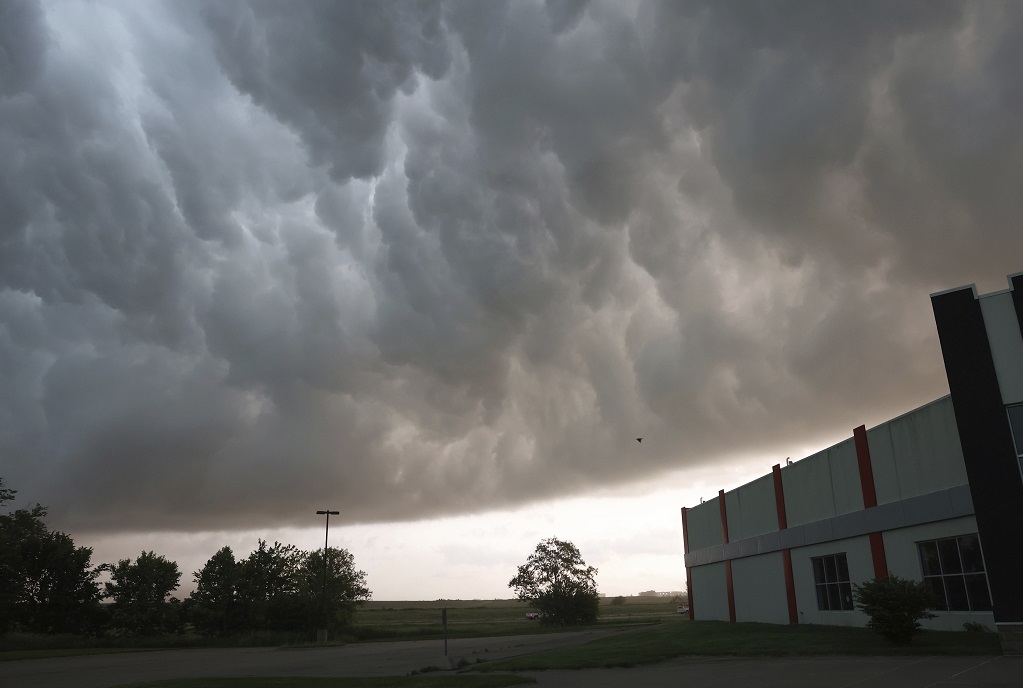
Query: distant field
pixel 606 604
pixel 407 619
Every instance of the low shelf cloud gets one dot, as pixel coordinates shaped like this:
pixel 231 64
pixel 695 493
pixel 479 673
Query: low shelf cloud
pixel 438 258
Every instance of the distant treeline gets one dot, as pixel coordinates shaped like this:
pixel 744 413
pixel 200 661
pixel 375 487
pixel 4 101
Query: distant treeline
pixel 48 584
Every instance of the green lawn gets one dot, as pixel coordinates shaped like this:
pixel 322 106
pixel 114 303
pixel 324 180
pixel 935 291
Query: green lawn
pixel 375 621
pixel 458 681
pixel 665 641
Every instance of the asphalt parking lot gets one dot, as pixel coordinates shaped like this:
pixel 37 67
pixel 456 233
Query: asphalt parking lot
pixel 382 659
pixel 360 659
pixel 801 672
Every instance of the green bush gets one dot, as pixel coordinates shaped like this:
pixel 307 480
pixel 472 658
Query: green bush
pixel 895 606
pixel 974 627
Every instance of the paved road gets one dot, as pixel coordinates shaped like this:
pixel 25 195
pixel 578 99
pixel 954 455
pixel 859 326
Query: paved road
pixel 362 659
pixel 382 659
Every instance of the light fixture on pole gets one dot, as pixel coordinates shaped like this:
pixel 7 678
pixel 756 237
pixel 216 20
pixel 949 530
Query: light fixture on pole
pixel 326 535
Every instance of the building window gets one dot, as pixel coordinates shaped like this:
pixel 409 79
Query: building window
pixel 831 577
pixel 1016 423
pixel 954 568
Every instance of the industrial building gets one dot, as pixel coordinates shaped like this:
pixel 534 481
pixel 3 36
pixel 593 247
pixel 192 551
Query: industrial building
pixel 933 495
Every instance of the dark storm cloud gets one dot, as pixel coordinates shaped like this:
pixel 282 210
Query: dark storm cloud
pixel 426 258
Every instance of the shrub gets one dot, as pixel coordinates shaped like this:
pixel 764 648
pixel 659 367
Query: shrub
pixel 895 606
pixel 974 627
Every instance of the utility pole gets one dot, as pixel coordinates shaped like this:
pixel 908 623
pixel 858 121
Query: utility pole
pixel 322 634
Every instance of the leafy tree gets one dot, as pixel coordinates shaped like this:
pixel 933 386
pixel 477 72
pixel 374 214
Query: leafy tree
pixel 47 584
pixel 216 607
pixel 346 586
pixel 6 493
pixel 140 590
pixel 59 593
pixel 269 586
pixel 895 606
pixel 559 584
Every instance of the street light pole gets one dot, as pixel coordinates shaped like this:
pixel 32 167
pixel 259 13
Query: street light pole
pixel 326 535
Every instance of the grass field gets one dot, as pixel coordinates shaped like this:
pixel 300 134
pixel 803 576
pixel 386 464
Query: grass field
pixel 375 621
pixel 476 618
pixel 665 635
pixel 650 644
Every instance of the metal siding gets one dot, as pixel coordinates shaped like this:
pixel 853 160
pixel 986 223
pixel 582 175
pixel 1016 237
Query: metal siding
pixel 849 525
pixel 926 447
pixel 759 584
pixel 808 495
pixel 882 459
pixel 710 595
pixel 704 523
pixel 845 477
pixel 734 514
pixel 754 503
pixel 1006 342
pixel 936 506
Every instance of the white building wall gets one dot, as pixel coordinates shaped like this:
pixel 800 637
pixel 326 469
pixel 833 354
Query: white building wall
pixel 903 559
pixel 758 584
pixel 710 592
pixel 861 568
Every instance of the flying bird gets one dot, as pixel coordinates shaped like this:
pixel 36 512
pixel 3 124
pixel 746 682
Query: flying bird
pixel 640 440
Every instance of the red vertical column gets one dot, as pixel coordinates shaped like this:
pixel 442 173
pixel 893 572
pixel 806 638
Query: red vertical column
pixel 866 467
pixel 685 545
pixel 728 562
pixel 786 554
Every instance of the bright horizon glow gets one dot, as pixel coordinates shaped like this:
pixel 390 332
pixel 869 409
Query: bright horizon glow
pixel 631 534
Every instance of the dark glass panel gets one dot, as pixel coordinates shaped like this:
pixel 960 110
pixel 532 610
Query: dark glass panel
pixel 818 570
pixel 1016 422
pixel 980 597
pixel 843 567
pixel 830 573
pixel 955 586
pixel 846 591
pixel 822 597
pixel 938 588
pixel 834 596
pixel 949 553
pixel 969 550
pixel 929 558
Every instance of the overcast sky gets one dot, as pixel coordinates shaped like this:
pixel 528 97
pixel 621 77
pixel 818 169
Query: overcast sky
pixel 435 260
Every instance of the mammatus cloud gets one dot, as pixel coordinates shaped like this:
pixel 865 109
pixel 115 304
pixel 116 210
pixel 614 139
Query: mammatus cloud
pixel 433 258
